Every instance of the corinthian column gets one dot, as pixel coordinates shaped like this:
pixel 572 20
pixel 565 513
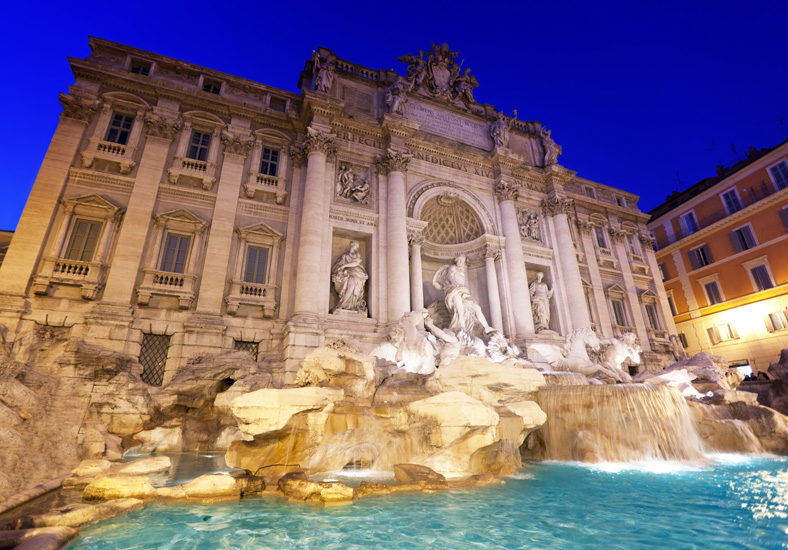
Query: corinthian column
pixel 395 165
pixel 506 193
pixel 557 207
pixel 318 146
pixel 492 253
pixel 416 282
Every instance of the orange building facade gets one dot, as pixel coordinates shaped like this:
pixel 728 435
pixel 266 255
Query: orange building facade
pixel 722 251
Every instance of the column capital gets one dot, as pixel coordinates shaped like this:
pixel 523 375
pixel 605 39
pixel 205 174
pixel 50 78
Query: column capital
pixel 647 241
pixel 415 238
pixel 393 161
pixel 618 235
pixel 319 142
pixel 77 108
pixel 556 205
pixel 507 190
pixel 491 252
pixel 162 126
pixel 585 227
pixel 236 144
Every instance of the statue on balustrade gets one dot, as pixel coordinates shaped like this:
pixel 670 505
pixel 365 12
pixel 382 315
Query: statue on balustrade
pixel 540 302
pixel 324 72
pixel 551 148
pixel 499 130
pixel 350 278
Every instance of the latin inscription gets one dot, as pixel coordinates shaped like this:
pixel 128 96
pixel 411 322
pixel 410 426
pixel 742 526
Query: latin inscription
pixel 440 161
pixel 363 140
pixel 449 126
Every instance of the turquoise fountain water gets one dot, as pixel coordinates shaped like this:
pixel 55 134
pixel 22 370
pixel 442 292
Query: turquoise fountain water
pixel 737 503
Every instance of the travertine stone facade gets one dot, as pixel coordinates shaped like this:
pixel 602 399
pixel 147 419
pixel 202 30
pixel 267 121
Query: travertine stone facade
pixel 179 202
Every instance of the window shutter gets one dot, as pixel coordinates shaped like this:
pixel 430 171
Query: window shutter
pixel 693 258
pixel 784 216
pixel 735 241
pixel 767 320
pixel 683 226
pixel 707 251
pixel 714 335
pixel 749 238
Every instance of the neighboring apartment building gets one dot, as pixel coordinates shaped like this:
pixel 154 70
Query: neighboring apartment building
pixel 180 210
pixel 721 248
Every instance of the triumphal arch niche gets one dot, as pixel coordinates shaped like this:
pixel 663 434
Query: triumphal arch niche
pixel 277 221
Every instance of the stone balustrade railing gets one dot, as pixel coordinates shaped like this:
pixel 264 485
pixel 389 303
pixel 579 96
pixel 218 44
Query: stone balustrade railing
pixel 265 184
pixel 164 283
pixel 252 294
pixel 200 170
pixel 89 276
pixel 122 155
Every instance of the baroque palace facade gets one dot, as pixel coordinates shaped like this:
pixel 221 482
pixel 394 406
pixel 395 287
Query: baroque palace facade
pixel 721 252
pixel 181 211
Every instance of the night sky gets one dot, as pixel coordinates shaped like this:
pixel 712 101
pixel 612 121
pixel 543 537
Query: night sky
pixel 634 93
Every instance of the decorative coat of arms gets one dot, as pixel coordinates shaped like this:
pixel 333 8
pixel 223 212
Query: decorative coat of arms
pixel 440 75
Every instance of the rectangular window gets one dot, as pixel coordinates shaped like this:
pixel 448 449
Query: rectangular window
pixel 621 201
pixel 153 358
pixel 672 306
pixel 251 347
pixel 618 312
pixel 700 256
pixel 779 174
pixel 590 193
pixel 761 277
pixel 277 104
pixel 784 216
pixel 653 318
pixel 83 240
pixel 688 223
pixel 632 244
pixel 176 249
pixel 776 321
pixel 722 333
pixel 654 240
pixel 211 87
pixel 713 293
pixel 140 68
pixel 198 148
pixel 732 202
pixel 256 260
pixel 663 271
pixel 269 164
pixel 600 237
pixel 120 128
pixel 742 238
pixel 683 340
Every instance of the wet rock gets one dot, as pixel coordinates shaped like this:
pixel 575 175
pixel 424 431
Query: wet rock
pixel 41 538
pixel 161 439
pixel 145 466
pixel 707 373
pixel 77 515
pixel 109 487
pixel 340 368
pixel 269 410
pixel 478 480
pixel 742 427
pixel 205 487
pixel 316 492
pixel 423 477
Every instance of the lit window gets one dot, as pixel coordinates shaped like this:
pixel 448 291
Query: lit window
pixel 663 271
pixel 742 238
pixel 672 306
pixel 713 294
pixel 198 148
pixel 277 104
pixel 256 263
pixel 722 333
pixel 700 256
pixel 211 87
pixel 618 312
pixel 688 223
pixel 120 128
pixel 761 277
pixel 176 248
pixel 776 321
pixel 600 237
pixel 779 174
pixel 653 318
pixel 83 240
pixel 731 201
pixel 139 67
pixel 269 164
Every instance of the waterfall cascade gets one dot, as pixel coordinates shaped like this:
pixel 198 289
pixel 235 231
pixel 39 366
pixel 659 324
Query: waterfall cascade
pixel 617 423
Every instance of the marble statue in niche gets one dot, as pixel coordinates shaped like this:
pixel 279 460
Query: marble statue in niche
pixel 499 130
pixel 324 72
pixel 551 148
pixel 466 315
pixel 350 279
pixel 540 302
pixel 349 186
pixel 529 225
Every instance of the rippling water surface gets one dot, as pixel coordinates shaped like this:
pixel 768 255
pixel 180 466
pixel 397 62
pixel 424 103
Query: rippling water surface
pixel 738 503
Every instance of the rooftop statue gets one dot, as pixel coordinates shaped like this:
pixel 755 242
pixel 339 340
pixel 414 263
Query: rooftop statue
pixel 324 72
pixel 499 130
pixel 395 96
pixel 551 148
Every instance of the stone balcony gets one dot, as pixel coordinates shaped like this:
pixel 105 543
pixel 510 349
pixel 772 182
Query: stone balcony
pixel 654 334
pixel 122 155
pixel 619 330
pixel 638 264
pixel 252 294
pixel 261 183
pixel 164 283
pixel 200 170
pixel 89 276
pixel 606 258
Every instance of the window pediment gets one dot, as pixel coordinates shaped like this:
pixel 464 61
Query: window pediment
pixel 91 205
pixel 615 290
pixel 181 218
pixel 260 232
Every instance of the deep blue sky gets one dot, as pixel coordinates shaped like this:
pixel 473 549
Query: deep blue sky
pixel 633 91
